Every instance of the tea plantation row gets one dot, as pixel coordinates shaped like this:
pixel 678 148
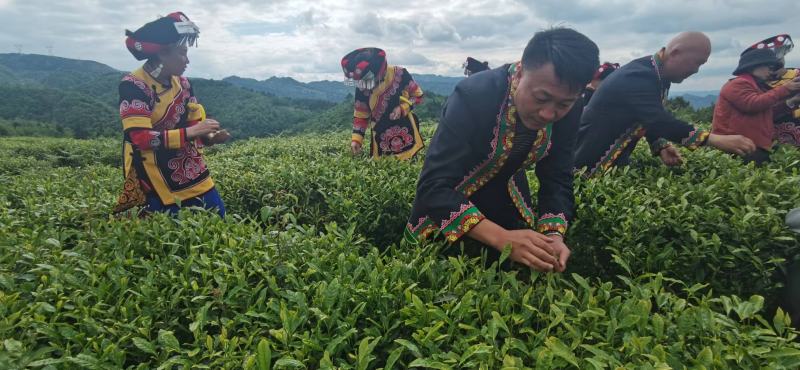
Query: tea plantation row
pixel 672 268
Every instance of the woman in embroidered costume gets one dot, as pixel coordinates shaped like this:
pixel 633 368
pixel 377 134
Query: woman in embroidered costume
pixel 747 105
pixel 474 187
pixel 787 124
pixel 384 99
pixel 630 106
pixel 164 126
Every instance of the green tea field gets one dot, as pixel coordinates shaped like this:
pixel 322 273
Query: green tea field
pixel 678 268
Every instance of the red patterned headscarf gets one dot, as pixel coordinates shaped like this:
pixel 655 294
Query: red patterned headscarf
pixel 151 38
pixel 605 70
pixel 364 67
pixel 781 45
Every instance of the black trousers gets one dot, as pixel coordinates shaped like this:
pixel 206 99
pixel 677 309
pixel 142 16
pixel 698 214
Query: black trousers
pixel 760 156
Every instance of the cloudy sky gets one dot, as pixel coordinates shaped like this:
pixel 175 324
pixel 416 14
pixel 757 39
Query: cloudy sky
pixel 306 39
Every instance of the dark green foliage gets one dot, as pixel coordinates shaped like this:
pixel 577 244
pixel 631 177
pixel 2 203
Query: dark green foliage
pixel 82 115
pixel 307 271
pixel 713 221
pixel 262 289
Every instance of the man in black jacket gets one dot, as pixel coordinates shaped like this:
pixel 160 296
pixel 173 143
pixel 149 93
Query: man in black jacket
pixel 631 106
pixel 473 186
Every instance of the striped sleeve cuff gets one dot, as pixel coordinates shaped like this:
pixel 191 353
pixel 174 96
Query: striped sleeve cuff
pixel 461 222
pixel 550 223
pixel 658 145
pixel 695 139
pixel 175 139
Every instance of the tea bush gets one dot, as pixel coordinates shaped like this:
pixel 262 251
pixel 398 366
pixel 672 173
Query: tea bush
pixel 713 221
pixel 306 271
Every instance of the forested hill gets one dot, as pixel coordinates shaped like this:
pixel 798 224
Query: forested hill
pixel 51 96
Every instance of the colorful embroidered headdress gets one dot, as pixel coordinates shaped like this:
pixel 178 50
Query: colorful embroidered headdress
pixel 151 38
pixel 781 45
pixel 364 67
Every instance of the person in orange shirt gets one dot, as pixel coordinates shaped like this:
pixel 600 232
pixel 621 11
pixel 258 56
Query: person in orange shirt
pixel 787 124
pixel 746 104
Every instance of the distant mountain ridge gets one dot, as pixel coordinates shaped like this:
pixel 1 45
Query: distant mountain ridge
pixel 28 67
pixel 333 91
pixel 698 99
pixel 36 62
pixel 291 88
pixel 51 96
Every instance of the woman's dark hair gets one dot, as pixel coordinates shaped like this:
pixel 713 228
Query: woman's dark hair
pixel 574 56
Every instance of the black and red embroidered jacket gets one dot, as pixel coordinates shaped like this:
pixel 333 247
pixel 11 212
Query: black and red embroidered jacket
pixel 629 105
pixel 470 150
pixel 154 122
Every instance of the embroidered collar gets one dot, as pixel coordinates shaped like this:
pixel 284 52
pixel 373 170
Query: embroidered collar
pixel 658 66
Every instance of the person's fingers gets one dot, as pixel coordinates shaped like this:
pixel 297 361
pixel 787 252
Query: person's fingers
pixel 528 259
pixel 748 146
pixel 523 259
pixel 539 236
pixel 543 255
pixel 540 265
pixel 563 257
pixel 539 241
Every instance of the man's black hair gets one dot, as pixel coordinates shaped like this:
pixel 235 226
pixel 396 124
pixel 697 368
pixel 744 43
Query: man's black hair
pixel 574 56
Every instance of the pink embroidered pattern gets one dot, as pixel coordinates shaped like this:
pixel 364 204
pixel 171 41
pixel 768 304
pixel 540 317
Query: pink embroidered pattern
pixel 141 85
pixel 550 222
pixel 395 139
pixel 173 113
pixel 454 215
pixel 788 133
pixel 382 102
pixel 134 108
pixel 186 166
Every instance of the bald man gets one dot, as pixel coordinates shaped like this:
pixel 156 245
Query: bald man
pixel 630 105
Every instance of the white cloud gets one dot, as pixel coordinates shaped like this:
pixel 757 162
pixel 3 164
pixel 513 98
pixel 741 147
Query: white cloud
pixel 306 39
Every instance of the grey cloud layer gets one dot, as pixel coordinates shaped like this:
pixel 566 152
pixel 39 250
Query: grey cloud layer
pixel 305 39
